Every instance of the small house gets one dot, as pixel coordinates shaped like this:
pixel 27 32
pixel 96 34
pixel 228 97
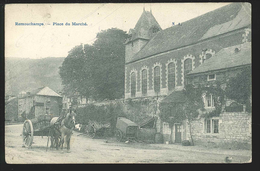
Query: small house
pixel 39 101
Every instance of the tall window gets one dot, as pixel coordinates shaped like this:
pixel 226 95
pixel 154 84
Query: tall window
pixel 133 84
pixel 209 101
pixel 157 79
pixel 187 68
pixel 212 126
pixel 208 126
pixel 215 125
pixel 144 82
pixel 171 76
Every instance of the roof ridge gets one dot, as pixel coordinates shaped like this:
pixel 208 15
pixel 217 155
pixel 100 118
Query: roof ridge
pixel 164 41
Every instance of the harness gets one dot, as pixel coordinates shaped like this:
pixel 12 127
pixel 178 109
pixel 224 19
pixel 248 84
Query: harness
pixel 63 120
pixel 66 123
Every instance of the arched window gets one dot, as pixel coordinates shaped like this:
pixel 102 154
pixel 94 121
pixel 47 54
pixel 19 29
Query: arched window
pixel 207 56
pixel 157 79
pixel 144 82
pixel 187 68
pixel 171 76
pixel 133 84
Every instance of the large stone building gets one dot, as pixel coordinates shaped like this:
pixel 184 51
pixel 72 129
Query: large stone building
pixel 159 63
pixel 157 60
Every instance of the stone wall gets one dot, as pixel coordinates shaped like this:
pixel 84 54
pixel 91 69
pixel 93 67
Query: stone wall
pixel 236 127
pixel 137 110
pixel 234 131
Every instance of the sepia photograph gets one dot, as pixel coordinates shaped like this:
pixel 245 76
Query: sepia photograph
pixel 128 83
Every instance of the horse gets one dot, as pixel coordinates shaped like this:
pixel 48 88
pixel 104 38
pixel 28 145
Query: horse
pixel 62 130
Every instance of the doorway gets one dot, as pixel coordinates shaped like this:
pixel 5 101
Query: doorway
pixel 177 133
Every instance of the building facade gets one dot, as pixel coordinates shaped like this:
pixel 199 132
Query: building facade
pixel 233 124
pixel 159 63
pixel 158 60
pixel 39 102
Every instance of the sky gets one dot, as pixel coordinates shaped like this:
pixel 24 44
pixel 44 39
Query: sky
pixel 56 40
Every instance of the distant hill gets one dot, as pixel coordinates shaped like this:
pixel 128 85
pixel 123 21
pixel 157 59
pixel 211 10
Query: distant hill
pixel 24 74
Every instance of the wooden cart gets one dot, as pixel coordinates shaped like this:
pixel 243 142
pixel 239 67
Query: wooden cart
pixel 94 129
pixel 126 129
pixel 39 126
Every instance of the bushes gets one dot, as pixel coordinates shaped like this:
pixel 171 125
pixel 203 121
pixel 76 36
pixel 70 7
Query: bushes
pixel 185 143
pixel 101 114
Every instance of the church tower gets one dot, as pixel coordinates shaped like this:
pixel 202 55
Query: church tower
pixel 144 30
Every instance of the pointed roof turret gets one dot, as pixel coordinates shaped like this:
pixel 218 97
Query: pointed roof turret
pixel 144 28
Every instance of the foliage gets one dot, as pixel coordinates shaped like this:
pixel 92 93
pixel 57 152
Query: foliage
pixel 194 101
pixel 99 72
pixel 101 114
pixel 177 112
pixel 73 71
pixel 185 143
pixel 171 113
pixel 234 107
pixel 219 99
pixel 239 88
pixel 139 110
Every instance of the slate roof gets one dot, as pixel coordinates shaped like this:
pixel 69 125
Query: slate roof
pixel 226 58
pixel 44 91
pixel 141 30
pixel 176 97
pixel 219 21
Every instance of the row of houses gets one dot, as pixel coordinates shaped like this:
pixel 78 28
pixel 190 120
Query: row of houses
pixel 37 102
pixel 211 48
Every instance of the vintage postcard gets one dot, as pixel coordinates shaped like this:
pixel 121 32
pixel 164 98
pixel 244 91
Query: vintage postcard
pixel 128 83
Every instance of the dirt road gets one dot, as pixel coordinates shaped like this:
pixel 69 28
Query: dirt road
pixel 86 150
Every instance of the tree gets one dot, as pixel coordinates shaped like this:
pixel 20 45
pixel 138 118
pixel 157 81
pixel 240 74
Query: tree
pixel 98 71
pixel 177 112
pixel 73 71
pixel 193 104
pixel 110 64
pixel 239 88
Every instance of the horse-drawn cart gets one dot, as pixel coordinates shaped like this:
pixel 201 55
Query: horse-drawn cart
pixel 40 126
pixel 126 129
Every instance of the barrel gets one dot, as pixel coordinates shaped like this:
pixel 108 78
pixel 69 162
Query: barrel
pixel 158 138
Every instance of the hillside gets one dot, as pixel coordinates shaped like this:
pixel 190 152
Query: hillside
pixel 24 74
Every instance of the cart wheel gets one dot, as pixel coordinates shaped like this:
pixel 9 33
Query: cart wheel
pixel 27 133
pixel 119 135
pixel 91 131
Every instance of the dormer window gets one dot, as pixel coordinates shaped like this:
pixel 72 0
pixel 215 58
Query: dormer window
pixel 211 77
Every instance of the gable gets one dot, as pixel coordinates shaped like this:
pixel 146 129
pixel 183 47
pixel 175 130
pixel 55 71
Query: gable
pixel 46 91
